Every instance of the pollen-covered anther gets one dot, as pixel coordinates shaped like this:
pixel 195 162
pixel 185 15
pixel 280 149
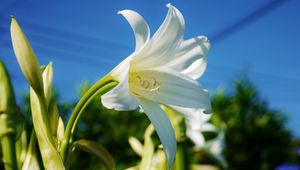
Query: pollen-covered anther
pixel 148 83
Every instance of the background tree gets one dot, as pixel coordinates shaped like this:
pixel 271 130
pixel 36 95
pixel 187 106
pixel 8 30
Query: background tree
pixel 255 135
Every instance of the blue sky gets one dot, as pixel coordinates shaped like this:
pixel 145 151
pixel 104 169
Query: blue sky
pixel 86 39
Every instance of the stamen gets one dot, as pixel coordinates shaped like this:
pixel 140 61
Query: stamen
pixel 149 84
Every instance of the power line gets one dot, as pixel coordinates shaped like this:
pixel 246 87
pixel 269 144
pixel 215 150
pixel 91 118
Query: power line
pixel 246 20
pixel 95 43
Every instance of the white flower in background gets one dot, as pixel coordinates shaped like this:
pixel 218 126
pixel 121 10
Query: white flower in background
pixel 216 147
pixel 197 122
pixel 161 70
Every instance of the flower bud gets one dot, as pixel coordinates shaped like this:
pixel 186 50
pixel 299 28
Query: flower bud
pixel 26 57
pixel 47 82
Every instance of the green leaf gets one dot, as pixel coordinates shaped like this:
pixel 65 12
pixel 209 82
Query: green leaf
pixel 98 150
pixel 50 155
pixel 7 97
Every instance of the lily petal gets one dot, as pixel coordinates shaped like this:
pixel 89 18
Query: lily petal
pixel 207 127
pixel 196 137
pixel 190 57
pixel 166 86
pixel 120 72
pixel 194 117
pixel 162 126
pixel 139 26
pixel 164 43
pixel 119 98
pixel 196 69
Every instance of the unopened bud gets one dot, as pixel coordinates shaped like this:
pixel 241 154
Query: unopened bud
pixel 26 57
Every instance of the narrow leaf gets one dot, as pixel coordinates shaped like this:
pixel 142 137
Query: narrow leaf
pixel 98 150
pixel 49 153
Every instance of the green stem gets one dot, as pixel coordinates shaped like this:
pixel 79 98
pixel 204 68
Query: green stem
pixel 181 157
pixel 9 151
pixel 100 87
pixel 45 115
pixel 101 91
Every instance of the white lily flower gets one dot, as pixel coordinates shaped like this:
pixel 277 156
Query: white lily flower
pixel 197 122
pixel 216 148
pixel 155 74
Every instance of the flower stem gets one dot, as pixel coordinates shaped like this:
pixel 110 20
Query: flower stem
pixel 100 87
pixel 9 151
pixel 181 156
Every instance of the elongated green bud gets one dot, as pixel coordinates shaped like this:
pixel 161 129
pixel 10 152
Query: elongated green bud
pixel 26 57
pixel 47 82
pixel 7 98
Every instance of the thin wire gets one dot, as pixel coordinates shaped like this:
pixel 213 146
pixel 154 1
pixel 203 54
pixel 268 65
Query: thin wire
pixel 71 56
pixel 246 20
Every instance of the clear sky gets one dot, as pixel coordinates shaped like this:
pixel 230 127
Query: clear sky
pixel 86 38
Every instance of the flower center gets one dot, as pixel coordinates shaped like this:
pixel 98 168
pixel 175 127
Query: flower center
pixel 144 82
pixel 150 83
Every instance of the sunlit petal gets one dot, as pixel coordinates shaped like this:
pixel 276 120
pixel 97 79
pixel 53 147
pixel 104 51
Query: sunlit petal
pixel 207 127
pixel 194 117
pixel 190 51
pixel 164 43
pixel 166 86
pixel 139 26
pixel 196 69
pixel 196 137
pixel 120 72
pixel 119 98
pixel 162 126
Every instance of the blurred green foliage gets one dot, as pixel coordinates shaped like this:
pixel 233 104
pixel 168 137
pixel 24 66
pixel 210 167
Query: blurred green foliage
pixel 255 135
pixel 112 129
